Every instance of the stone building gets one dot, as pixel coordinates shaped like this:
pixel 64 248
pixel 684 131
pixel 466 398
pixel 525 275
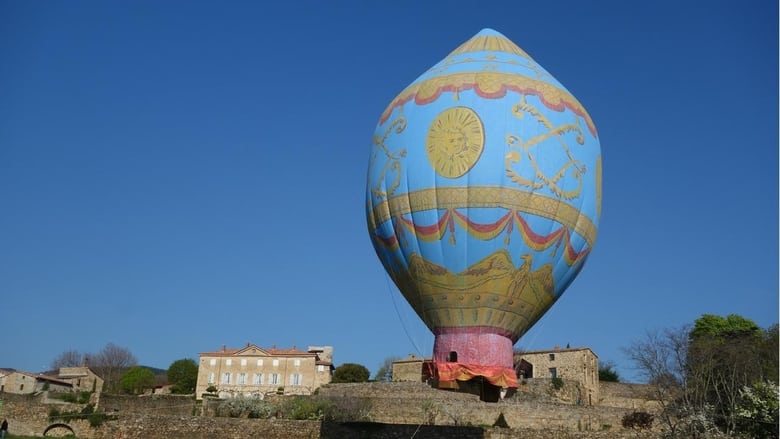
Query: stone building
pixel 410 369
pixel 255 371
pixel 574 364
pixel 20 382
pixel 82 378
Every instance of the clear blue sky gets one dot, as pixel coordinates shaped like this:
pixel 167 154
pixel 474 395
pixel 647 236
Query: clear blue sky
pixel 179 175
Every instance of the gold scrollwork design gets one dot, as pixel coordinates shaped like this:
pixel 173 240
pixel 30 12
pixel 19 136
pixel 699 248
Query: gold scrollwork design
pixel 393 163
pixel 523 147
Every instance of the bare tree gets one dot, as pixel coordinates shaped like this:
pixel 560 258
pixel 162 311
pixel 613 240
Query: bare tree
pixel 69 358
pixel 111 362
pixel 661 359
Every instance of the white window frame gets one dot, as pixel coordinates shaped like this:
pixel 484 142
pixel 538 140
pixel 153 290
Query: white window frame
pixel 296 379
pixel 259 361
pixel 275 363
pixel 297 362
pixel 229 362
pixel 241 379
pixel 225 378
pixel 274 379
pixel 320 368
pixel 243 361
pixel 213 362
pixel 257 379
pixel 211 378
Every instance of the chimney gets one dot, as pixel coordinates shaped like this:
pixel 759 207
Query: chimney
pixel 224 348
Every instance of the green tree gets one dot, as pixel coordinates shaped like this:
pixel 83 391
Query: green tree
pixel 701 373
pixel 183 375
pixel 724 356
pixel 136 380
pixel 385 371
pixel 608 373
pixel 351 373
pixel 710 325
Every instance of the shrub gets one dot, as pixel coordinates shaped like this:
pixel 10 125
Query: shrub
pixel 54 414
pixel 638 421
pixel 73 397
pixel 304 408
pixel 348 409
pixel 97 419
pixel 249 407
pixel 557 383
pixel 431 411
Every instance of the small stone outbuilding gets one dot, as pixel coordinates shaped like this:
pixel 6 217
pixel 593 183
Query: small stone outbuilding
pixel 410 369
pixel 82 378
pixel 575 364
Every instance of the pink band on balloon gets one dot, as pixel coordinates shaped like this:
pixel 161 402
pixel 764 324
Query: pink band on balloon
pixel 480 345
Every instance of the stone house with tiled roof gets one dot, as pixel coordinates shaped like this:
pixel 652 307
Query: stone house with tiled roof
pixel 82 378
pixel 23 383
pixel 575 364
pixel 256 371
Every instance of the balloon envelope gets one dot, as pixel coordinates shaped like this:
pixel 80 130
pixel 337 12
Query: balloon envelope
pixel 483 199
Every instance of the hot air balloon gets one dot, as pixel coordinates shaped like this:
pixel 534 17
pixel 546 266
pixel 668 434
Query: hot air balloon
pixel 483 200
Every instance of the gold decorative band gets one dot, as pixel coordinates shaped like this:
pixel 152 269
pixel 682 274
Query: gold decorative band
pixel 490 85
pixel 485 196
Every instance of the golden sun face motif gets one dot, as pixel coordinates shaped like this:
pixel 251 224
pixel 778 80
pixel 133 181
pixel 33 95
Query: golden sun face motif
pixel 455 141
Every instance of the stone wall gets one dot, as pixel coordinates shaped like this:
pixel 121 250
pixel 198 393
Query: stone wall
pixel 195 427
pixel 395 410
pixel 28 415
pixel 167 427
pixel 418 403
pixel 182 405
pixel 641 397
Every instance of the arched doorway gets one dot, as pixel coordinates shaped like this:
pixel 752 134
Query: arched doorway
pixel 59 430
